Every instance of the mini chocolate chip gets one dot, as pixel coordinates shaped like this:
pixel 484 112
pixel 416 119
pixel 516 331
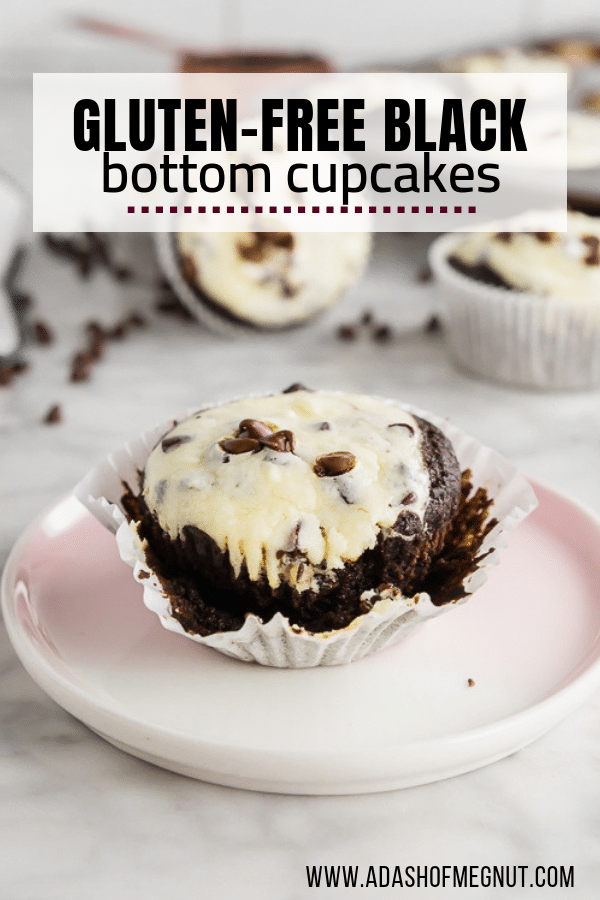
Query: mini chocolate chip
pixel 331 464
pixel 367 318
pixel 170 443
pixel 325 426
pixel 282 441
pixel 408 427
pixel 239 445
pixel 296 386
pixel 408 499
pixel 143 574
pixel 470 682
pixel 226 458
pixel 504 236
pixel 425 275
pixel 254 429
pixel 544 237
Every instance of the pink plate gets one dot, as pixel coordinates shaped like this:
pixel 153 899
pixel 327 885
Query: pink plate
pixel 529 640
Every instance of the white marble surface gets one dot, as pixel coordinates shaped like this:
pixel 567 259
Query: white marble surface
pixel 79 819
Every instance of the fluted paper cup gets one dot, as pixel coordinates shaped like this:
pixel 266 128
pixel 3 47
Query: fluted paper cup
pixel 277 642
pixel 517 337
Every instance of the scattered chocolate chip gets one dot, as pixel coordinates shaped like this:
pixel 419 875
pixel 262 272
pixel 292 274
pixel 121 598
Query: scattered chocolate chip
pixel 470 682
pixel 544 237
pixel 143 574
pixel 408 427
pixel 53 416
pixel 296 386
pixel 254 429
pixel 408 499
pixel 281 441
pixel 325 426
pixel 170 443
pixel 592 257
pixel 433 325
pixel 42 333
pixel 239 445
pixel 347 332
pixel 382 333
pixel 9 371
pixel 331 464
pixel 504 236
pixel 226 459
pixel 367 318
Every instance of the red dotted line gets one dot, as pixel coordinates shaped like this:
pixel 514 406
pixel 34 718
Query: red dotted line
pixel 303 209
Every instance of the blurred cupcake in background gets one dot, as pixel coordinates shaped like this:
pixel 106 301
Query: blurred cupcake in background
pixel 523 306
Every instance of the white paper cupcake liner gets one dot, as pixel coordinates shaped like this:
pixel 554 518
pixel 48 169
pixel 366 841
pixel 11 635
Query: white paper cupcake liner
pixel 277 643
pixel 517 337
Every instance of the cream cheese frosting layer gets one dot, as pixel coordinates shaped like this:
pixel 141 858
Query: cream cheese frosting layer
pixel 554 264
pixel 356 464
pixel 274 278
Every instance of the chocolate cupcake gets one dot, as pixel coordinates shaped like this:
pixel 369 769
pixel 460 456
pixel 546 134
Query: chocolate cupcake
pixel 264 280
pixel 305 528
pixel 294 503
pixel 523 305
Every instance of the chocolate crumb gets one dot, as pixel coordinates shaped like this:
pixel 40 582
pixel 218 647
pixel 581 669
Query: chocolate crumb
pixel 408 499
pixel 544 237
pixel 425 275
pixel 325 426
pixel 470 682
pixel 504 236
pixel 143 574
pixel 42 333
pixel 367 318
pixel 53 416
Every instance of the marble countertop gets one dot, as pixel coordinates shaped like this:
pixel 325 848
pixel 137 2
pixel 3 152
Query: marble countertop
pixel 80 819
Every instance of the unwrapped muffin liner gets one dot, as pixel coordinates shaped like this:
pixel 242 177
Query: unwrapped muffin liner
pixel 277 642
pixel 517 337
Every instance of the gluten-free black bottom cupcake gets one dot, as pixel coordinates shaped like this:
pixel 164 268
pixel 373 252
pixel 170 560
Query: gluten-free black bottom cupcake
pixel 305 528
pixel 301 503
